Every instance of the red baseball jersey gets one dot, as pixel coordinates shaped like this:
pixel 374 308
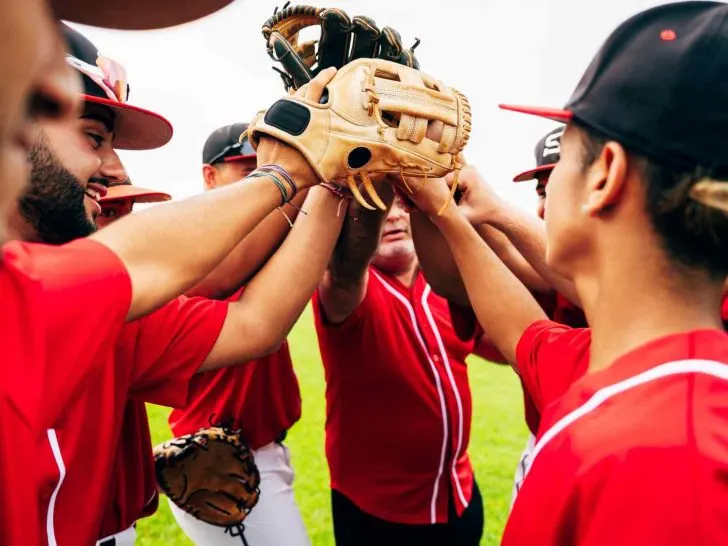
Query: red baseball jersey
pixel 99 478
pixel 558 309
pixel 260 397
pixel 57 317
pixel 633 454
pixel 398 403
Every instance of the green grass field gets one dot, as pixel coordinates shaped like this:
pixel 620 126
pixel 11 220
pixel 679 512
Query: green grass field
pixel 498 436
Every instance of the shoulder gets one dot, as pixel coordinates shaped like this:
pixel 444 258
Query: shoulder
pixel 545 340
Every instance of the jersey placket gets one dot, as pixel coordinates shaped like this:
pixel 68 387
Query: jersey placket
pixel 437 360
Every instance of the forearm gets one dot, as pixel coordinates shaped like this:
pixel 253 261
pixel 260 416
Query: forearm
pixel 167 249
pixel 343 286
pixel 503 305
pixel 528 235
pixel 436 260
pixel 509 255
pixel 272 302
pixel 250 254
pixel 358 240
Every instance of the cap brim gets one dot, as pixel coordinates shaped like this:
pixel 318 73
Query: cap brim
pixel 139 195
pixel 556 114
pixel 135 14
pixel 239 158
pixel 531 174
pixel 134 127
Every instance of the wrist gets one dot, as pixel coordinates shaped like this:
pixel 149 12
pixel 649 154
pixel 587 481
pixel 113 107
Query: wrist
pixel 446 216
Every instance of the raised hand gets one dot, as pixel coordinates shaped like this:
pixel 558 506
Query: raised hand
pixel 478 201
pixel 273 151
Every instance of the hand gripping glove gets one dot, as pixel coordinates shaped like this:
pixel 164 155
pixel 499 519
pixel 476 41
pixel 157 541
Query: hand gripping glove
pixel 374 123
pixel 210 474
pixel 341 41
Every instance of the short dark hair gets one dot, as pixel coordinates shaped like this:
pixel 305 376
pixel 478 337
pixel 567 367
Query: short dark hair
pixel 693 235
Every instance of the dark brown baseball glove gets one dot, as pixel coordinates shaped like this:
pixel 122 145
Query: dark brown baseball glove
pixel 210 474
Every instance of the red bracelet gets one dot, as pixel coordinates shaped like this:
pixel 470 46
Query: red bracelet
pixel 339 191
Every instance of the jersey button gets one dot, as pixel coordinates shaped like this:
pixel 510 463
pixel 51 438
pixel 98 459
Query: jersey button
pixel 436 358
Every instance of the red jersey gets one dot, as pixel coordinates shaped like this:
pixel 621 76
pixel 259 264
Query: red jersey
pixel 99 478
pixel 260 397
pixel 398 403
pixel 45 364
pixel 641 445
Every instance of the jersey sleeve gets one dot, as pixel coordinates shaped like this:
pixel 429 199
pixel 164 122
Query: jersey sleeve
pixel 549 357
pixel 171 345
pixel 82 294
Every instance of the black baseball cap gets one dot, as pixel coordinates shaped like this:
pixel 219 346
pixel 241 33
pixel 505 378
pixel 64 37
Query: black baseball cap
pixel 104 82
pixel 548 150
pixel 229 143
pixel 659 85
pixel 135 14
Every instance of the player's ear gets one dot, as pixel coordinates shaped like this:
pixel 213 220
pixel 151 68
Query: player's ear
pixel 209 174
pixel 606 178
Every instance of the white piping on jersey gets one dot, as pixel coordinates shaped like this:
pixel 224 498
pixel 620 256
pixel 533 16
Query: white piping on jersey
pixel 446 361
pixel 56 449
pixel 708 367
pixel 438 383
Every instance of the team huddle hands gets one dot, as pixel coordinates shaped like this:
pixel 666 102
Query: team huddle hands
pixel 351 193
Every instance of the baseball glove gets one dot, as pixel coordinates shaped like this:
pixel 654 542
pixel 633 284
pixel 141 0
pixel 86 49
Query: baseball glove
pixel 374 122
pixel 341 41
pixel 210 474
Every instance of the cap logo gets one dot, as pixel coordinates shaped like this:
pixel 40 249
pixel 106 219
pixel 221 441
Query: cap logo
pixel 668 35
pixel 552 144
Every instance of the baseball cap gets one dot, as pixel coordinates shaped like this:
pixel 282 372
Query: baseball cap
pixel 659 86
pixel 104 82
pixel 135 14
pixel 135 193
pixel 548 150
pixel 225 144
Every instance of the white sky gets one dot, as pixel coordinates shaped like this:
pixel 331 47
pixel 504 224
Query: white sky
pixel 216 71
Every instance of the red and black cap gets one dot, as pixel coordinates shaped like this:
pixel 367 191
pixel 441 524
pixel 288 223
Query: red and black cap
pixel 548 150
pixel 659 85
pixel 229 143
pixel 135 14
pixel 104 82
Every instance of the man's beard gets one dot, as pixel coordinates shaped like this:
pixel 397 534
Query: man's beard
pixel 53 202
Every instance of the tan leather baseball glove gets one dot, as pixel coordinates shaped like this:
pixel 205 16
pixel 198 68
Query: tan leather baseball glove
pixel 210 474
pixel 375 121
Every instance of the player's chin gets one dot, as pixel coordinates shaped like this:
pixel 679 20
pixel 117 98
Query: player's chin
pixel 391 253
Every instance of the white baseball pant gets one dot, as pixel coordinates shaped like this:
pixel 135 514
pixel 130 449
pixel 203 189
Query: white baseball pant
pixel 521 468
pixel 274 521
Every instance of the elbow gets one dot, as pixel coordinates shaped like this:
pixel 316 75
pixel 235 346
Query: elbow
pixel 269 336
pixel 271 346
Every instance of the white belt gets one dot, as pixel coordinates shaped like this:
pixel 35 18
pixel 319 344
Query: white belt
pixel 123 538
